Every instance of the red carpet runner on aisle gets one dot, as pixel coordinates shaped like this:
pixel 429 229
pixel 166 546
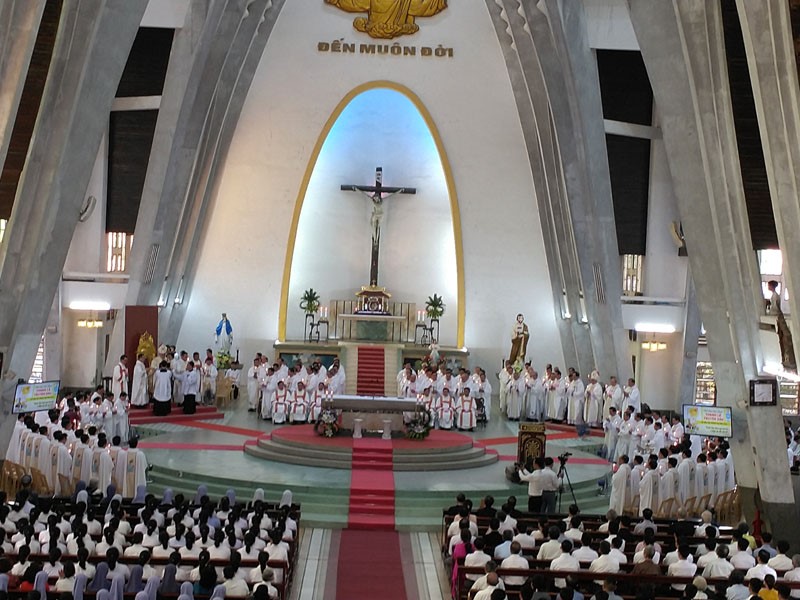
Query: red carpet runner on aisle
pixel 370 562
pixel 371 371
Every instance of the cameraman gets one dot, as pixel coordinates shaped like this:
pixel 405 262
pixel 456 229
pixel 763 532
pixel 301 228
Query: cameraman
pixel 549 487
pixel 532 473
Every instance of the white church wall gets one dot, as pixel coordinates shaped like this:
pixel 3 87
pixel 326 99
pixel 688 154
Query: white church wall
pixel 295 90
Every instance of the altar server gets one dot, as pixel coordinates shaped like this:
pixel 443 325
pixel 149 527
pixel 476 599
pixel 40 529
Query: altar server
pixel 298 408
pixel 315 400
pixel 446 409
pixel 466 411
pixel 162 389
pixel 280 403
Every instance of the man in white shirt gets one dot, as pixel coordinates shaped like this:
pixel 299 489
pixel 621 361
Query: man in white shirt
pixel 487 584
pixel 682 567
pixel 604 563
pixel 742 559
pixel 476 558
pixel 535 484
pixel 781 561
pixel 761 568
pixel 515 561
pixel 794 575
pixel 551 548
pixel 585 553
pixel 526 539
pixel 719 565
pixel 564 562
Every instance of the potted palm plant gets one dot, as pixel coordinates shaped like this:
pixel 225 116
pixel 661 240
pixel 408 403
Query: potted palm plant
pixel 309 301
pixel 435 306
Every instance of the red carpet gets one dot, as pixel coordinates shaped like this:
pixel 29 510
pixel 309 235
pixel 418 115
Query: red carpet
pixel 225 429
pixel 372 485
pixel 146 417
pixel 371 371
pixel 370 566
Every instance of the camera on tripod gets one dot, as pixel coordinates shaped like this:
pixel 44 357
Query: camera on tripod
pixel 563 458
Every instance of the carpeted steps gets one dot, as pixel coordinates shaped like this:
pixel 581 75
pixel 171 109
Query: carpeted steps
pixel 371 371
pixel 372 486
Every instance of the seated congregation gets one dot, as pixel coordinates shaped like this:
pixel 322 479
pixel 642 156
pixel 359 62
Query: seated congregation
pixel 90 545
pixel 506 553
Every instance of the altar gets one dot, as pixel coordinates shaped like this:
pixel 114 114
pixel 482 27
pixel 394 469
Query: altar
pixel 373 411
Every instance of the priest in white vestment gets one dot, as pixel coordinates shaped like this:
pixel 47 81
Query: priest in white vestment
pixel 13 450
pixel 637 472
pixel 593 407
pixel 465 412
pixel 139 394
pixel 209 384
pixel 135 470
pixel 515 395
pixel 120 418
pixel 446 409
pixel 504 376
pixel 685 482
pixel 612 396
pixel 620 485
pixel 632 397
pixel 316 398
pixel 102 465
pixel 648 488
pixel 611 426
pixel 61 462
pixel 668 485
pixel 483 391
pixel 178 368
pixel 119 378
pixel 268 384
pixel 298 407
pixel 82 461
pixel 537 391
pixel 253 385
pixel 560 397
pixel 44 462
pixel 575 398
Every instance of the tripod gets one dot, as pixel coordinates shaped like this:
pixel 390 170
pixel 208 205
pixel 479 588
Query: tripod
pixel 564 474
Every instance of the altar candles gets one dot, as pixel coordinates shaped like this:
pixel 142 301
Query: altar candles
pixel 420 317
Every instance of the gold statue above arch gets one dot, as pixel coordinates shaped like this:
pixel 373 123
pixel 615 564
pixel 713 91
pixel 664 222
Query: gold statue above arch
pixel 147 347
pixel 387 19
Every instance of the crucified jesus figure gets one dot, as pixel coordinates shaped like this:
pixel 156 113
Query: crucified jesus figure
pixel 377 194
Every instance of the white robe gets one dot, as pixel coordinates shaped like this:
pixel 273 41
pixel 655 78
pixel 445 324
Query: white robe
pixel 611 428
pixel 315 400
pixel 637 471
pixel 280 406
pixel 537 399
pixel 612 396
pixel 685 490
pixel 120 420
pixel 515 397
pixel 45 463
pixel 561 399
pixel 102 467
pixel 711 483
pixel 620 488
pixel 624 439
pixel 700 480
pixel 139 389
pixel 253 387
pixel 667 486
pixel 119 380
pixel 13 453
pixel 446 408
pixel 61 464
pixel 298 408
pixel 648 491
pixel 633 399
pixel 178 369
pixel 268 386
pixel 593 408
pixel 135 472
pixel 576 396
pixel 162 386
pixel 503 377
pixel 466 413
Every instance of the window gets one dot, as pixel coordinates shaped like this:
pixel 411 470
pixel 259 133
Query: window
pixel 788 392
pixel 770 265
pixel 632 274
pixel 37 373
pixel 705 387
pixel 119 245
pixel 3 224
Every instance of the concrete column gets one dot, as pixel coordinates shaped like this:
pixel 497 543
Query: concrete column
pixel 19 25
pixel 543 168
pixel 691 332
pixel 769 42
pixel 92 46
pixel 683 50
pixel 231 92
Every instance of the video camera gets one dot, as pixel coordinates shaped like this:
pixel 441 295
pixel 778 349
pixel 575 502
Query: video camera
pixel 563 458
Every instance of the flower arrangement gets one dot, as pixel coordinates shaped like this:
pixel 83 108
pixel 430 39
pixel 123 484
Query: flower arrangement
pixel 419 427
pixel 309 301
pixel 224 359
pixel 435 306
pixel 327 424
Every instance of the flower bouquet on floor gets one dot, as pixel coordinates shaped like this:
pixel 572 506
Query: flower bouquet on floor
pixel 327 424
pixel 419 427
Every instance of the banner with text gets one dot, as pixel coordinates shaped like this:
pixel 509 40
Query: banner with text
pixel 33 397
pixel 712 421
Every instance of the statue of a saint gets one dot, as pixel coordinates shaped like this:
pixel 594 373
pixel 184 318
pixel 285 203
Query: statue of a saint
pixel 387 19
pixel 223 337
pixel 784 333
pixel 519 340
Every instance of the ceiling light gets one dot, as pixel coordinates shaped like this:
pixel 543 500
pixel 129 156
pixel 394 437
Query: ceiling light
pixel 89 305
pixel 655 328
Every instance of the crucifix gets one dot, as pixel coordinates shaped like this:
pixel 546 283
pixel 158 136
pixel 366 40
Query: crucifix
pixel 377 194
